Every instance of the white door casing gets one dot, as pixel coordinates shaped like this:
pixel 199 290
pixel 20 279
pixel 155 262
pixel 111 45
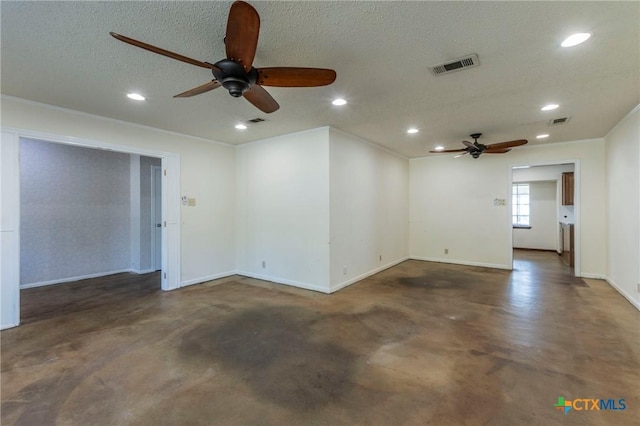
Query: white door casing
pixel 9 230
pixel 156 218
pixel 10 214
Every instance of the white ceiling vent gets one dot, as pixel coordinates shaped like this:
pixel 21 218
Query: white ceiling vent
pixel 456 65
pixel 556 121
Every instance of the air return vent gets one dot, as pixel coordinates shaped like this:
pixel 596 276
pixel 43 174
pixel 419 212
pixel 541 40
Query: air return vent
pixel 256 120
pixel 556 121
pixel 456 65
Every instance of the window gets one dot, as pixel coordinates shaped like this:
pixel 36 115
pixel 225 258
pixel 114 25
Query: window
pixel 520 200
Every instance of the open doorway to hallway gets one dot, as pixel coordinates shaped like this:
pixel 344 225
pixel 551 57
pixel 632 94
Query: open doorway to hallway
pixel 543 205
pixel 10 218
pixel 87 219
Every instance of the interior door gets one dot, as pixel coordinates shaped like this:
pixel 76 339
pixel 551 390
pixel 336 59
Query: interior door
pixel 157 218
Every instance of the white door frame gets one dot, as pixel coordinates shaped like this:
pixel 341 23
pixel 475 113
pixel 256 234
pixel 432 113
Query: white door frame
pixel 154 219
pixel 9 232
pixel 10 213
pixel 576 208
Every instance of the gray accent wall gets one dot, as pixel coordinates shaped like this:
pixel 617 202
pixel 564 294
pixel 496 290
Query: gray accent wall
pixel 75 212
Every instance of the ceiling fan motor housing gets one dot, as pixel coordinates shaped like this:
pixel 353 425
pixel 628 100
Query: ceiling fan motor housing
pixel 479 148
pixel 233 77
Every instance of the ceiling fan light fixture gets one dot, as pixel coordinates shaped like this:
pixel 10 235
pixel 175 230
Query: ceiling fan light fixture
pixel 575 39
pixel 236 86
pixel 236 72
pixel 545 135
pixel 241 126
pixel 412 131
pixel 136 96
pixel 339 102
pixel 549 107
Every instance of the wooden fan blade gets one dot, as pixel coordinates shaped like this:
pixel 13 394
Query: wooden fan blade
pixel 243 28
pixel 261 99
pixel 509 144
pixel 162 52
pixel 295 77
pixel 496 151
pixel 213 84
pixel 448 150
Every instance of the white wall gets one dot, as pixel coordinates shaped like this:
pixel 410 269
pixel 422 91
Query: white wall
pixel 283 209
pixel 369 208
pixel 313 202
pixel 207 173
pixel 75 213
pixel 623 209
pixel 452 204
pixel 452 207
pixel 543 210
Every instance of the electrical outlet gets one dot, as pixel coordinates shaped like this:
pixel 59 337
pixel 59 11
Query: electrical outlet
pixel 264 264
pixel 344 270
pixel 446 251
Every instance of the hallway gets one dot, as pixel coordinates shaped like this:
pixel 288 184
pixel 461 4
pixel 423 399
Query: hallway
pixel 419 343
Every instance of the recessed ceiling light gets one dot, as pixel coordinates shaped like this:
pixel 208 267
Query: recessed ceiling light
pixel 241 126
pixel 575 39
pixel 439 148
pixel 136 96
pixel 542 136
pixel 549 107
pixel 412 130
pixel 339 102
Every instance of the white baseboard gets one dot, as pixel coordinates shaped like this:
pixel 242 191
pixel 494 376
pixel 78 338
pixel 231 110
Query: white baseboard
pixel 360 277
pixel 141 272
pixel 592 276
pixel 462 262
pixel 5 326
pixel 69 279
pixel 285 281
pixel 626 295
pixel 207 278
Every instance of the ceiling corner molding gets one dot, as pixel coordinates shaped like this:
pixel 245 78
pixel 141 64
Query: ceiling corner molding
pixel 109 119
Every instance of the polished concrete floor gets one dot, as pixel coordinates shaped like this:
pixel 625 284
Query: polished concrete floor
pixel 420 343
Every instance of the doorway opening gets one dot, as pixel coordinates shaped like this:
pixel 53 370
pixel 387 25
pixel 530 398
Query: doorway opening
pixel 54 236
pixel 85 214
pixel 545 213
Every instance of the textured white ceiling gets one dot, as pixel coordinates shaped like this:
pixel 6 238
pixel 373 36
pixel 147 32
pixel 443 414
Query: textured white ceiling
pixel 60 53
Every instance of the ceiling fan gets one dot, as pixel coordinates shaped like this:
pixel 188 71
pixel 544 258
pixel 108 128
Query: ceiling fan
pixel 476 149
pixel 236 73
